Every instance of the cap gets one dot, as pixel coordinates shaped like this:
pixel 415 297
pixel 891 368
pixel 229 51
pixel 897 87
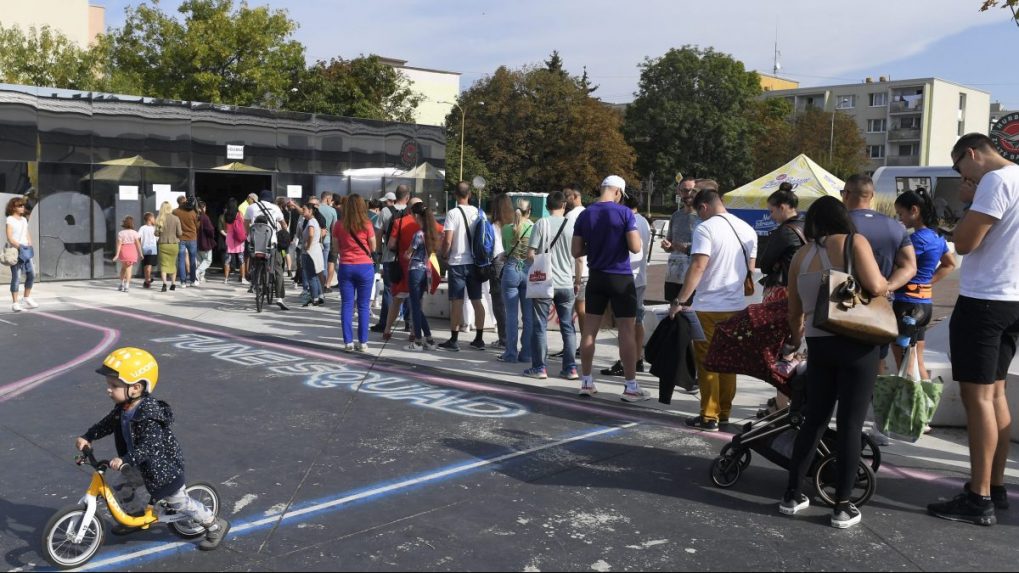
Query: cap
pixel 615 181
pixel 389 196
pixel 265 195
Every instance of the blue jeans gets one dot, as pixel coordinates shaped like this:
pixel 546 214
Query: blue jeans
pixel 563 298
pixel 310 277
pixel 188 249
pixel 419 283
pixel 356 281
pixel 387 295
pixel 514 293
pixel 25 255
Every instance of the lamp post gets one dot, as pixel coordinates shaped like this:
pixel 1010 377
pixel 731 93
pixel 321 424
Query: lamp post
pixel 463 129
pixel 831 138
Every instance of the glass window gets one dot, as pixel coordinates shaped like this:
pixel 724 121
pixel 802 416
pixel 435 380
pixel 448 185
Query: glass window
pixel 107 181
pixel 72 226
pixel 877 151
pixel 118 128
pixel 20 121
pixel 875 126
pixel 846 102
pixel 65 126
pixel 878 99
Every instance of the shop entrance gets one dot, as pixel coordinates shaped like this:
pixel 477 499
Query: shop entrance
pixel 216 189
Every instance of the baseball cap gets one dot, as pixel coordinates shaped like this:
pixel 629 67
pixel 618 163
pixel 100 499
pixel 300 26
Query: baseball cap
pixel 389 196
pixel 265 195
pixel 615 181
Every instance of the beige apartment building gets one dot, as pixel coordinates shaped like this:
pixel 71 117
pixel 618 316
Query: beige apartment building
pixel 437 88
pixel 76 19
pixel 905 122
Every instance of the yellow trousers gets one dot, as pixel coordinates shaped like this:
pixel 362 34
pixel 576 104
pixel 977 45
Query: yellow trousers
pixel 717 390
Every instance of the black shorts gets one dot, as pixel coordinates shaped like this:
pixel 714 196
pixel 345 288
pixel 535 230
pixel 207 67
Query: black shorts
pixel 150 260
pixel 618 290
pixel 982 339
pixel 921 312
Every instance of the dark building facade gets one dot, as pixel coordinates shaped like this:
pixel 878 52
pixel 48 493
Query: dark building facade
pixel 86 160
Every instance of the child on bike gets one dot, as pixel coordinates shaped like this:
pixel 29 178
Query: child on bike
pixel 149 454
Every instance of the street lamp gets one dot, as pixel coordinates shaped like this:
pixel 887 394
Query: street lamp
pixel 463 129
pixel 831 138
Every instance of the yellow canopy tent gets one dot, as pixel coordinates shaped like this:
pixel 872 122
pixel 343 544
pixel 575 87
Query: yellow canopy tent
pixel 810 181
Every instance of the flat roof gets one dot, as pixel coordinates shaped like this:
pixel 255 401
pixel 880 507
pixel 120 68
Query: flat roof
pixel 875 83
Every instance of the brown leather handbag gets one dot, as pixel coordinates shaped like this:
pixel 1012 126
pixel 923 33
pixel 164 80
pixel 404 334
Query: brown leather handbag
pixel 845 308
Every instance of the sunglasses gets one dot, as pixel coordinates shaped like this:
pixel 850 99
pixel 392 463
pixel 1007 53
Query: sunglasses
pixel 955 165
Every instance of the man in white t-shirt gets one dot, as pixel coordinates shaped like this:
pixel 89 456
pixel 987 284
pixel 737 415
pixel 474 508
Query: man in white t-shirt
pixel 462 276
pixel 985 324
pixel 276 221
pixel 723 251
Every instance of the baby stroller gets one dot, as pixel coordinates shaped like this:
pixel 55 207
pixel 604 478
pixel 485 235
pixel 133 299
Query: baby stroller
pixel 773 437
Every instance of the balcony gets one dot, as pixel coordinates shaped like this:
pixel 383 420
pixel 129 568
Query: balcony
pixel 902 160
pixel 906 106
pixel 904 134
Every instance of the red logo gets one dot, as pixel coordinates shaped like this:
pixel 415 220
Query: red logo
pixel 781 177
pixel 537 277
pixel 1005 135
pixel 409 153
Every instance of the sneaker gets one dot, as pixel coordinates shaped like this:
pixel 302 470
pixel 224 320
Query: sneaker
pixel 638 396
pixel 570 374
pixel 318 301
pixel 120 288
pixel 691 391
pixel 588 390
pixel 245 282
pixel 498 345
pixel 999 496
pixel 214 534
pixel 163 289
pixel 845 516
pixel 966 507
pixel 615 370
pixel 538 373
pixel 506 358
pixel 360 347
pixel 793 503
pixel 348 347
pixel 183 285
pixel 879 438
pixel 430 344
pixel 147 284
pixel 450 345
pixel 283 306
pixel 173 287
pixel 380 327
pixel 414 347
pixel 16 307
pixel 29 303
pixel 478 344
pixel 700 423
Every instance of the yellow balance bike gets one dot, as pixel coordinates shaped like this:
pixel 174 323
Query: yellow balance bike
pixel 75 534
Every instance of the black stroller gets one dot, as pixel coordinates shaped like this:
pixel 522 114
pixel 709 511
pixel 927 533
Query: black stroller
pixel 773 437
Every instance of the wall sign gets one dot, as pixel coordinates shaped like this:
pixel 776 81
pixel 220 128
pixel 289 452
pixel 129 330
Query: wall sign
pixel 1005 135
pixel 235 152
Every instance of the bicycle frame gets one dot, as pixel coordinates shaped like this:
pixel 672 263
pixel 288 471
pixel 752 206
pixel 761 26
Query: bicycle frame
pixel 98 488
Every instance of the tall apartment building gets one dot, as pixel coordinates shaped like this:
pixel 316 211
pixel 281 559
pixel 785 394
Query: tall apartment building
pixel 76 19
pixel 437 88
pixel 905 122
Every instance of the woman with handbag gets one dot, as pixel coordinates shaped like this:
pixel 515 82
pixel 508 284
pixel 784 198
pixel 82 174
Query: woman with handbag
pixel 514 285
pixel 18 238
pixel 842 367
pixel 354 235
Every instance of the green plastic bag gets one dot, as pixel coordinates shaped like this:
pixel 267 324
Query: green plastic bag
pixel 902 406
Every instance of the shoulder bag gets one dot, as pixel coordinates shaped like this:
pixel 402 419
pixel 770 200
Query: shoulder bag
pixel 748 282
pixel 539 278
pixel 845 308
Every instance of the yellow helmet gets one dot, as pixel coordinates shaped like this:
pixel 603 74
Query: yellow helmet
pixel 132 366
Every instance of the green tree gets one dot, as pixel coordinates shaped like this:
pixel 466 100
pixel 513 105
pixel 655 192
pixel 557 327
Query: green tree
pixel 45 57
pixel 1012 5
pixel 216 52
pixel 473 165
pixel 811 133
pixel 362 87
pixel 690 117
pixel 771 133
pixel 537 128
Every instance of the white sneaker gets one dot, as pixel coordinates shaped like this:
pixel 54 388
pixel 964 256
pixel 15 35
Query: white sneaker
pixel 120 288
pixel 29 303
pixel 361 347
pixel 245 282
pixel 414 347
pixel 348 347
pixel 16 307
pixel 588 390
pixel 638 396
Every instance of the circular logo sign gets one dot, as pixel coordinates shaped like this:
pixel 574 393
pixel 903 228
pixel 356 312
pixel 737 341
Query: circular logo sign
pixel 409 153
pixel 1005 135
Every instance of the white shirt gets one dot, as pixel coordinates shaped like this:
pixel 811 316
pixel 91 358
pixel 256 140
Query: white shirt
pixel 991 271
pixel 148 238
pixel 721 288
pixel 19 229
pixel 571 216
pixel 459 249
pixel 638 261
pixel 275 214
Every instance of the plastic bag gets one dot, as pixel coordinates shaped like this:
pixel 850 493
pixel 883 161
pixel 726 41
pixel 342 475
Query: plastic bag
pixel 903 406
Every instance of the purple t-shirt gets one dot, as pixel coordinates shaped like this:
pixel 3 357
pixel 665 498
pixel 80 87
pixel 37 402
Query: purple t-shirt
pixel 603 226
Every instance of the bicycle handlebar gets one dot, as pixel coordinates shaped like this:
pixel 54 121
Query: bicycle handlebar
pixel 87 455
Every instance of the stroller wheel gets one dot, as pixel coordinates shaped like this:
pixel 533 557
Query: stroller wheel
pixel 744 456
pixel 725 471
pixel 826 479
pixel 870 452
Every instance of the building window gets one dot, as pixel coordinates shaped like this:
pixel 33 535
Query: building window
pixel 846 102
pixel 878 99
pixel 909 150
pixel 877 151
pixel 909 123
pixel 876 125
pixel 962 129
pixel 962 102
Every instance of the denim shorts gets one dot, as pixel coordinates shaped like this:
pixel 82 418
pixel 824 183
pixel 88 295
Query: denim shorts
pixel 464 278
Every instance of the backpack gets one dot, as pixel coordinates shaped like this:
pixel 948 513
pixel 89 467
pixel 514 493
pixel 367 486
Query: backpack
pixel 482 242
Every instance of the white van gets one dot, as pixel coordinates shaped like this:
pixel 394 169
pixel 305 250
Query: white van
pixel 942 182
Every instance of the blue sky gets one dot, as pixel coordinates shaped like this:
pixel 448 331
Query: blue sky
pixel 820 42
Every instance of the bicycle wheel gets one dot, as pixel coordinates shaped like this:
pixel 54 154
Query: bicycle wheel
pixel 204 494
pixel 826 478
pixel 58 543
